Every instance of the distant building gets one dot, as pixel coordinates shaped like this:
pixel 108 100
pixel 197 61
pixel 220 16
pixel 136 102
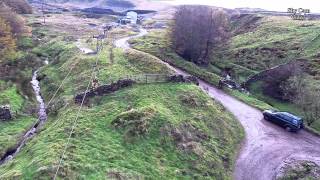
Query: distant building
pixel 132 16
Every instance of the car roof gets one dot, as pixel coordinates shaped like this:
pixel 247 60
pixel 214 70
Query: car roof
pixel 290 115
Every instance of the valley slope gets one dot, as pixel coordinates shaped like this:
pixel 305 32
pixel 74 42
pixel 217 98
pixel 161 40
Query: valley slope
pixel 156 130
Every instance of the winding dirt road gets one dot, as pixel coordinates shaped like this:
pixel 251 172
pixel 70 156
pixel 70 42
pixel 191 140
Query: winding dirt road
pixel 266 147
pixel 123 42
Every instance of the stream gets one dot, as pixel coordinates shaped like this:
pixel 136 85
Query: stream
pixel 42 117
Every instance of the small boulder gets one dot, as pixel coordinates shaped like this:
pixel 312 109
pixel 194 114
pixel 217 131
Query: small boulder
pixel 5 113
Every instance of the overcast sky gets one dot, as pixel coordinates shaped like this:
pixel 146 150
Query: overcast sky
pixel 277 5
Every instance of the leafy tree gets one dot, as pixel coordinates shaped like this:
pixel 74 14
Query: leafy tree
pixel 197 30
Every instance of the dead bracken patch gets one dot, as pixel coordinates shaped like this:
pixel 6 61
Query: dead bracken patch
pixel 135 121
pixel 191 99
pixel 117 175
pixel 186 137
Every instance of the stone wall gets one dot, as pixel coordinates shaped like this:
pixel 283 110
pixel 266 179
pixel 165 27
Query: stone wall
pixel 109 88
pixel 104 89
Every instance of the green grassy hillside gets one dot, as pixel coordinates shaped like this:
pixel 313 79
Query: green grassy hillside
pixel 151 131
pixel 274 41
pixel 148 144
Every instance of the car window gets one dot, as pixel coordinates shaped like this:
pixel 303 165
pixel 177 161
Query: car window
pixel 280 116
pixel 288 118
pixel 284 117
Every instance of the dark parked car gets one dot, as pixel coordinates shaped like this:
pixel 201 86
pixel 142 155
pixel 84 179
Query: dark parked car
pixel 289 121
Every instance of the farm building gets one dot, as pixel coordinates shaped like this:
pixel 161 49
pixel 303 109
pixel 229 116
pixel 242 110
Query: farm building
pixel 130 18
pixel 133 16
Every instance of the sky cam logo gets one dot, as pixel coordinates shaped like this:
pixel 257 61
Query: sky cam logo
pixel 298 14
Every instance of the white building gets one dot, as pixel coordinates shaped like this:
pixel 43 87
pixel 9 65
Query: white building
pixel 133 16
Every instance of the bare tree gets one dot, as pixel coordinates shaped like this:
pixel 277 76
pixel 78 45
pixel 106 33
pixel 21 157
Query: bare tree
pixel 18 6
pixel 7 41
pixel 197 30
pixel 13 19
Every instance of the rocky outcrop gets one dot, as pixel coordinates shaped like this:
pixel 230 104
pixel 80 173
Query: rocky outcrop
pixel 5 113
pixel 104 89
